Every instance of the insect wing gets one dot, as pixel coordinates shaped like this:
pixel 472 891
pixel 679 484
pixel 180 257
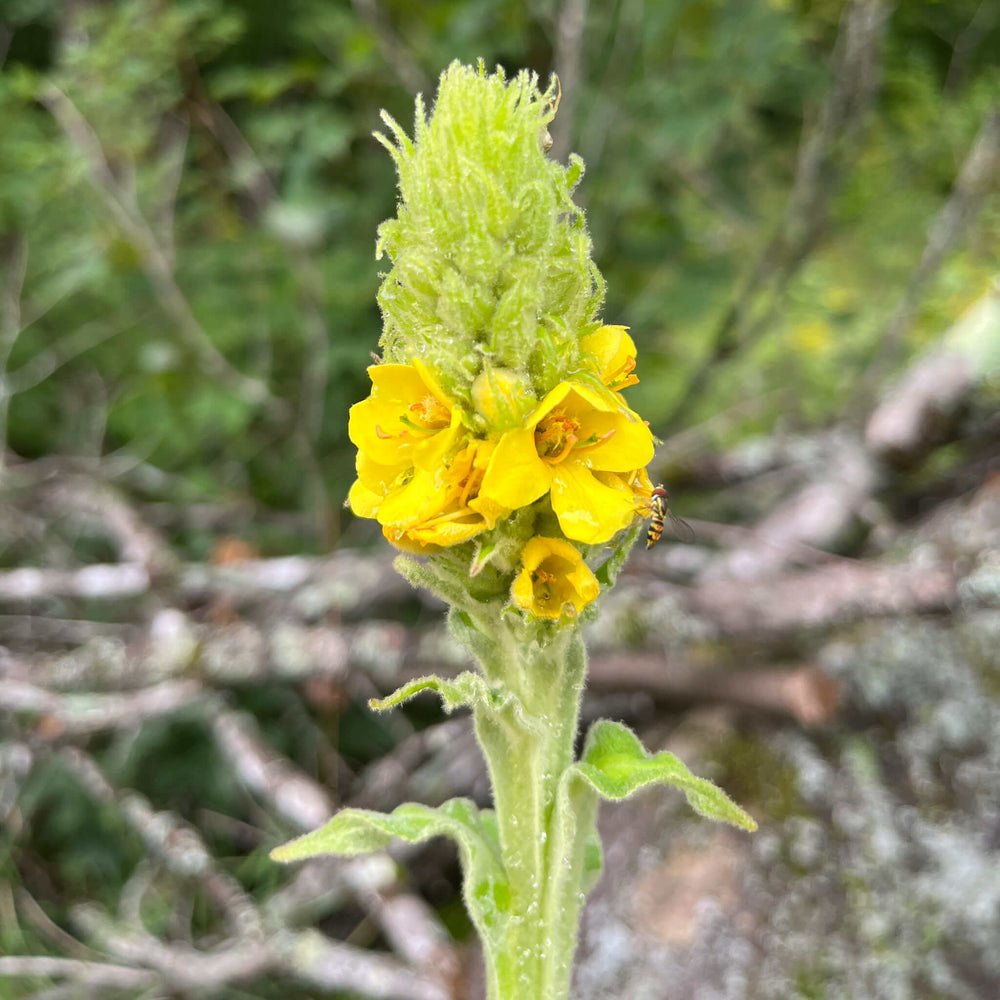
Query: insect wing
pixel 682 529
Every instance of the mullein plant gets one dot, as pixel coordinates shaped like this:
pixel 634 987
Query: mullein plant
pixel 497 450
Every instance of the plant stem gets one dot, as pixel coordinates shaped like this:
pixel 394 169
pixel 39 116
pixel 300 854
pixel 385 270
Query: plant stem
pixel 527 752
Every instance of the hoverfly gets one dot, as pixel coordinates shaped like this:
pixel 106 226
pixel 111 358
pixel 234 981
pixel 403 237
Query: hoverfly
pixel 659 509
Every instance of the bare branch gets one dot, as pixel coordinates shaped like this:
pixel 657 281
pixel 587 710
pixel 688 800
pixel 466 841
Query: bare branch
pixel 81 714
pixel 914 415
pixel 259 187
pixel 76 343
pixel 331 965
pixel 93 974
pixel 174 843
pixel 985 17
pixel 825 151
pixel 175 134
pixel 815 516
pixel 179 966
pixel 101 581
pixel 13 264
pixel 88 500
pixel 804 693
pixel 292 794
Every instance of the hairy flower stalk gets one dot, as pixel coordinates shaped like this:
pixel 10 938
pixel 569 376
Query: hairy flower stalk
pixel 497 450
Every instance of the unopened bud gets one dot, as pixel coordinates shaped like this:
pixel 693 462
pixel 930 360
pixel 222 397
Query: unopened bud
pixel 503 398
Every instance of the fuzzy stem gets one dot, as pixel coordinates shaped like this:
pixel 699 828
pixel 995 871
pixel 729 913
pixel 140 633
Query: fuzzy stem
pixel 527 753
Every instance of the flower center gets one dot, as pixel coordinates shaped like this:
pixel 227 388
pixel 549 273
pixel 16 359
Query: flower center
pixel 541 582
pixel 429 413
pixel 557 435
pixel 424 417
pixel 463 480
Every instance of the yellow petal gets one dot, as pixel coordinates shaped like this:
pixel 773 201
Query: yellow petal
pixel 402 382
pixel 515 476
pixel 523 591
pixel 552 400
pixel 629 447
pixel 424 496
pixel 429 379
pixel 584 584
pixel 588 511
pixel 609 346
pixel 379 478
pixel 445 532
pixel 363 501
pixel 377 426
pixel 431 453
pixel 489 510
pixel 540 548
pixel 402 541
pixel 375 430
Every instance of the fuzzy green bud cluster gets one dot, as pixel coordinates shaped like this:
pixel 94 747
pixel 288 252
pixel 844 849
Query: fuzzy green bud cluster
pixel 491 260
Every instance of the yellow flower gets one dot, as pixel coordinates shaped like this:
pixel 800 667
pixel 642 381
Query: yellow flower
pixel 554 581
pixel 406 421
pixel 418 472
pixel 441 506
pixel 575 434
pixel 614 353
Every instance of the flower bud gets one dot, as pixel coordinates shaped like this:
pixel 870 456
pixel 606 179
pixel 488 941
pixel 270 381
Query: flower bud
pixel 503 398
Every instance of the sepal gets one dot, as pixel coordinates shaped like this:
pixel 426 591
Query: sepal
pixel 607 572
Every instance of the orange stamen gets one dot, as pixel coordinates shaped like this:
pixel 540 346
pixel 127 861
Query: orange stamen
pixel 622 377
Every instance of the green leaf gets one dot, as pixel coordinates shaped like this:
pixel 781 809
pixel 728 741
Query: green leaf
pixel 486 887
pixel 468 688
pixel 359 831
pixel 465 689
pixel 593 860
pixel 481 557
pixel 452 587
pixel 615 764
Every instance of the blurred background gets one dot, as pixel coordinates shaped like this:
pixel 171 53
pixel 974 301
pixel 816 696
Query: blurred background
pixel 795 207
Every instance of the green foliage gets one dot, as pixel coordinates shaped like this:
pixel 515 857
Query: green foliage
pixel 86 843
pixel 237 142
pixel 360 831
